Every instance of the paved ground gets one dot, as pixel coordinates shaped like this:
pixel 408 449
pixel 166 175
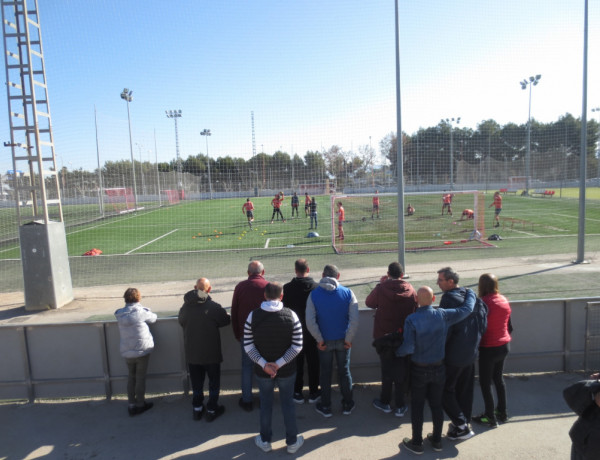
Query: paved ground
pixel 538 429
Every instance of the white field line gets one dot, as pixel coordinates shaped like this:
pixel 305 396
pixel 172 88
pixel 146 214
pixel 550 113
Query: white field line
pixel 575 217
pixel 525 233
pixel 267 243
pixel 150 242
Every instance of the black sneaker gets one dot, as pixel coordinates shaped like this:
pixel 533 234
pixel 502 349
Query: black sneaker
pixel 324 411
pixel 314 397
pixel 485 420
pixel 414 448
pixel 144 408
pixel 437 445
pixel 197 412
pixel 132 410
pixel 213 414
pixel 298 398
pixel 247 406
pixel 501 416
pixel 455 433
pixel 348 407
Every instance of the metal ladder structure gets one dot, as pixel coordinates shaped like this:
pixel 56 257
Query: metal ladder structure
pixel 42 237
pixel 30 122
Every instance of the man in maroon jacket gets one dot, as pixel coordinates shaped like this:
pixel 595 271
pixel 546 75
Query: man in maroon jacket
pixel 393 300
pixel 247 296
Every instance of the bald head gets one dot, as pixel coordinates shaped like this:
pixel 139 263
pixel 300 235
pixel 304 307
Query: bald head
pixel 203 284
pixel 256 268
pixel 425 296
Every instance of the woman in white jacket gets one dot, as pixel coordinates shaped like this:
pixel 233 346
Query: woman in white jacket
pixel 136 345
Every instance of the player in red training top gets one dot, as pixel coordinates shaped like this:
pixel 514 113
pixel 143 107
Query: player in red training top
pixel 276 203
pixel 375 204
pixel 248 209
pixel 467 214
pixel 498 205
pixel 410 210
pixel 306 204
pixel 341 217
pixel 447 203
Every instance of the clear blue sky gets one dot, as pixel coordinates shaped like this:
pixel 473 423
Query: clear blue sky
pixel 315 73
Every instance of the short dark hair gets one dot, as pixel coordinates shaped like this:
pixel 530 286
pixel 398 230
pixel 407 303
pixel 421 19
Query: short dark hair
pixel 395 270
pixel 301 266
pixel 132 295
pixel 449 274
pixel 331 271
pixel 273 291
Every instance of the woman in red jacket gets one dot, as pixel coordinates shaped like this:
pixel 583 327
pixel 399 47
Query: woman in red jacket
pixel 493 349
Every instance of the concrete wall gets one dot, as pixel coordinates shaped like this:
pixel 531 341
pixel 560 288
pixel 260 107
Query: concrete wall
pixel 82 359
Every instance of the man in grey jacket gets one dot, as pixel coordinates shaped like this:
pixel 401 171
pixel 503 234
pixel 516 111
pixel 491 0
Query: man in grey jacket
pixel 332 319
pixel 201 319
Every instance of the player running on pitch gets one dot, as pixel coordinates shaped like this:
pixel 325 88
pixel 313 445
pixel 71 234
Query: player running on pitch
pixel 498 205
pixel 306 204
pixel 248 209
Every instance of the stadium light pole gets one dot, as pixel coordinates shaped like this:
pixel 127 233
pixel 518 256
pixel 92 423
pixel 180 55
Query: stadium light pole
pixel 533 81
pixel 206 132
pixel 175 114
pixel 597 109
pixel 127 95
pixel 451 122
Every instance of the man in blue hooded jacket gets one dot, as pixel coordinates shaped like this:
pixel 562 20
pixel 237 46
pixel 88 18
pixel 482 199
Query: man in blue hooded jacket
pixel 332 319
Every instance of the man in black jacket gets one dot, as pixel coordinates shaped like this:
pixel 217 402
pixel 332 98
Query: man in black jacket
pixel 584 399
pixel 201 319
pixel 462 344
pixel 295 294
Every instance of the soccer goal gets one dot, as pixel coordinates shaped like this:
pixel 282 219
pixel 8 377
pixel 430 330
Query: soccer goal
pixel 429 225
pixel 121 199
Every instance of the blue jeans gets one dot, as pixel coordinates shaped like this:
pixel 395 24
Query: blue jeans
pixel 247 372
pixel 198 373
pixel 266 388
pixel 427 383
pixel 342 358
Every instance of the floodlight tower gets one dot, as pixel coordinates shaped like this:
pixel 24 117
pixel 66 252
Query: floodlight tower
pixel 597 109
pixel 207 133
pixel 451 122
pixel 127 95
pixel 533 81
pixel 175 114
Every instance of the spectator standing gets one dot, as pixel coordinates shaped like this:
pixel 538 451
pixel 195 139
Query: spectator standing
pixel 273 339
pixel 201 317
pixel 393 300
pixel 247 296
pixel 424 338
pixel 332 319
pixel 136 345
pixel 584 399
pixel 295 294
pixel 493 350
pixel 462 345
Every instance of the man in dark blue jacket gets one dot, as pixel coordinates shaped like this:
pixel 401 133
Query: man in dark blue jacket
pixel 462 345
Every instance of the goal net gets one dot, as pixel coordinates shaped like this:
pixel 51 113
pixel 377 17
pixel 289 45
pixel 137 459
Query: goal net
pixel 429 223
pixel 121 199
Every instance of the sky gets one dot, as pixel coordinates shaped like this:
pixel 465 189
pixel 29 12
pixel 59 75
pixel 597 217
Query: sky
pixel 314 73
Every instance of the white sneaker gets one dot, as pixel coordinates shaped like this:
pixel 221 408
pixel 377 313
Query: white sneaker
pixel 293 448
pixel 263 445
